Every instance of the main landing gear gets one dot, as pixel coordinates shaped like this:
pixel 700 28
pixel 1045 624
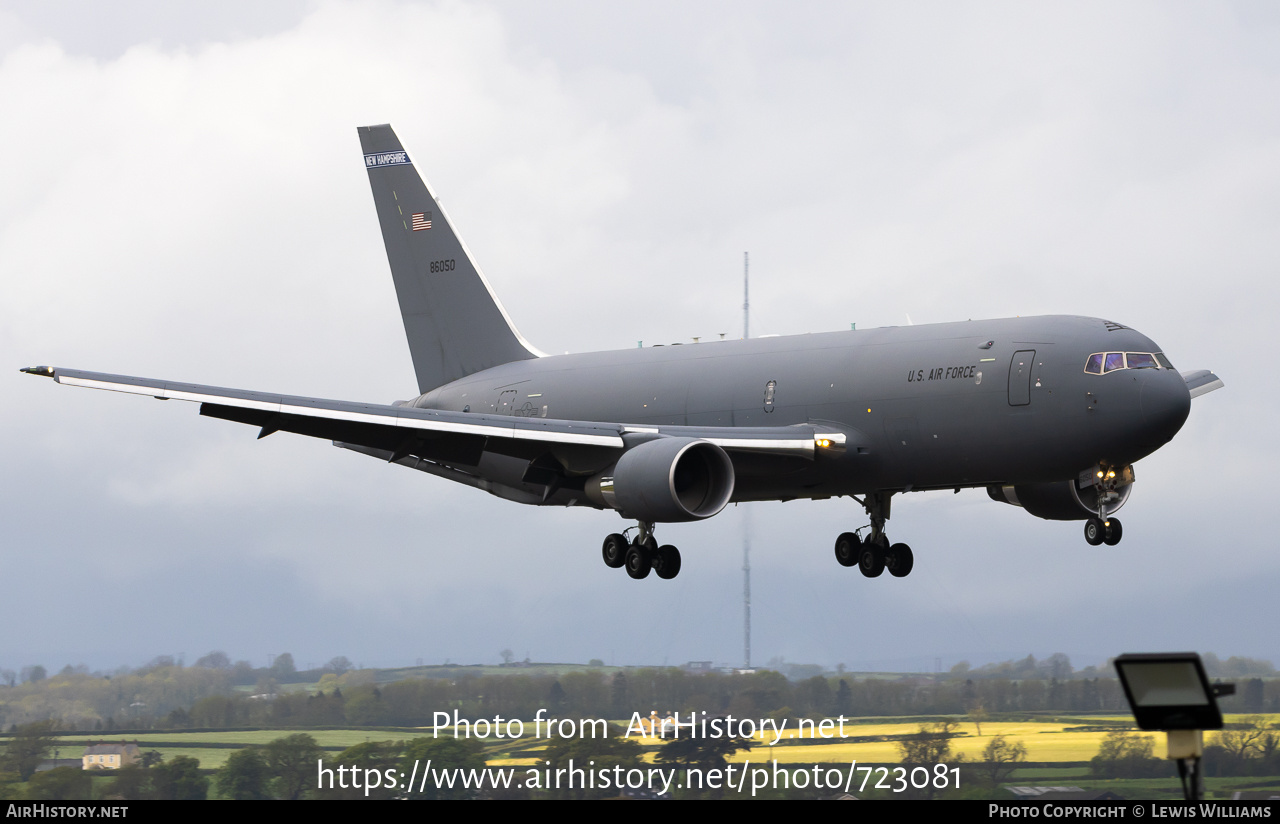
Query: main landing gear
pixel 874 554
pixel 641 554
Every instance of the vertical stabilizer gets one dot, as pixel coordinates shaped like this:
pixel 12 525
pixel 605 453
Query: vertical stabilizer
pixel 453 320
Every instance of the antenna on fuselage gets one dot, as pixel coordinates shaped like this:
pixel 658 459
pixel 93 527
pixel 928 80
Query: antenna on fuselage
pixel 746 512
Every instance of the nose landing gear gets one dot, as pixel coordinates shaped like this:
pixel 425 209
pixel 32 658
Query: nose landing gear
pixel 1101 529
pixel 1098 531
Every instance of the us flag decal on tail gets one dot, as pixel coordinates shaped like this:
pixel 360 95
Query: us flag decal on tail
pixel 421 220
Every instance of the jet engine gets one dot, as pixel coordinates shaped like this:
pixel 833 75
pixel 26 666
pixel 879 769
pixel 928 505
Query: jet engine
pixel 1064 500
pixel 666 480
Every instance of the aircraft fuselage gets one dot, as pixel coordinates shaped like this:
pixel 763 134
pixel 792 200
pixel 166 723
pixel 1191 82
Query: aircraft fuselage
pixel 930 406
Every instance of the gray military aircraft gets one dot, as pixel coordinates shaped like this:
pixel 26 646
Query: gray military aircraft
pixel 1046 413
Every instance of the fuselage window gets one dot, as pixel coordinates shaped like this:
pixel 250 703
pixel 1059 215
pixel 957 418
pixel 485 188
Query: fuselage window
pixel 1115 360
pixel 1094 366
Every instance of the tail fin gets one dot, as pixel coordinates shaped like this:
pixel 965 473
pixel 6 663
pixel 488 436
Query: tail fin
pixel 453 320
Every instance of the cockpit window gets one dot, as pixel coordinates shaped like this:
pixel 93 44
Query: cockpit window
pixel 1100 362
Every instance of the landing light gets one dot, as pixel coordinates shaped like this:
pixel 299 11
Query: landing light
pixel 833 442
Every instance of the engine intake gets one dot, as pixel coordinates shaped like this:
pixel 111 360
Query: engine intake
pixel 1061 501
pixel 666 480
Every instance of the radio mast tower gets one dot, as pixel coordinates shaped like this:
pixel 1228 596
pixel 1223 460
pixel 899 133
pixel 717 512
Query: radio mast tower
pixel 746 512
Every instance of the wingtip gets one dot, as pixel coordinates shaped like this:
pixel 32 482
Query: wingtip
pixel 43 371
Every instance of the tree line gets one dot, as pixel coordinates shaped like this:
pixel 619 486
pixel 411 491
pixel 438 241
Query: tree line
pixel 168 696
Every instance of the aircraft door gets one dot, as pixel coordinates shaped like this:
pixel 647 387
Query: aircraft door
pixel 1020 377
pixel 506 402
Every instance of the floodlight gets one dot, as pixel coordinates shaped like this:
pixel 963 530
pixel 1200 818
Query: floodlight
pixel 1171 692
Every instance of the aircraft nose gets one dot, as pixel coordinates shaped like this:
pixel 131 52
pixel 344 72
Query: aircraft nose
pixel 1166 402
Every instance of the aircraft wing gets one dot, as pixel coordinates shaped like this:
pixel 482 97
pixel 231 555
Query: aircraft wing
pixel 1201 382
pixel 445 436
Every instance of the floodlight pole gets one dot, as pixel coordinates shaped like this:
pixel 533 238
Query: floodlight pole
pixel 1190 742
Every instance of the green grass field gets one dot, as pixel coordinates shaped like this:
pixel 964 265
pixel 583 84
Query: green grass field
pixel 211 748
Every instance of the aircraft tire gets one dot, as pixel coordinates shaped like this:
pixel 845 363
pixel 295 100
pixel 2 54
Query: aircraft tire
pixel 614 551
pixel 1094 532
pixel 1113 532
pixel 667 562
pixel 871 560
pixel 638 562
pixel 900 560
pixel 847 546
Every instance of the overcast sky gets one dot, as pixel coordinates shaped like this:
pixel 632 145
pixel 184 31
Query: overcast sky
pixel 182 197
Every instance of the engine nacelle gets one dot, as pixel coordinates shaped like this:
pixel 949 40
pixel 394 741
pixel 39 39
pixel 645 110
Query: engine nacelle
pixel 666 480
pixel 1062 501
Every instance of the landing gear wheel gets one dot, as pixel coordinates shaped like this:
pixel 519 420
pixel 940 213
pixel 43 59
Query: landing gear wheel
pixel 847 547
pixel 900 560
pixel 639 562
pixel 667 562
pixel 1114 531
pixel 1094 531
pixel 871 560
pixel 614 551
